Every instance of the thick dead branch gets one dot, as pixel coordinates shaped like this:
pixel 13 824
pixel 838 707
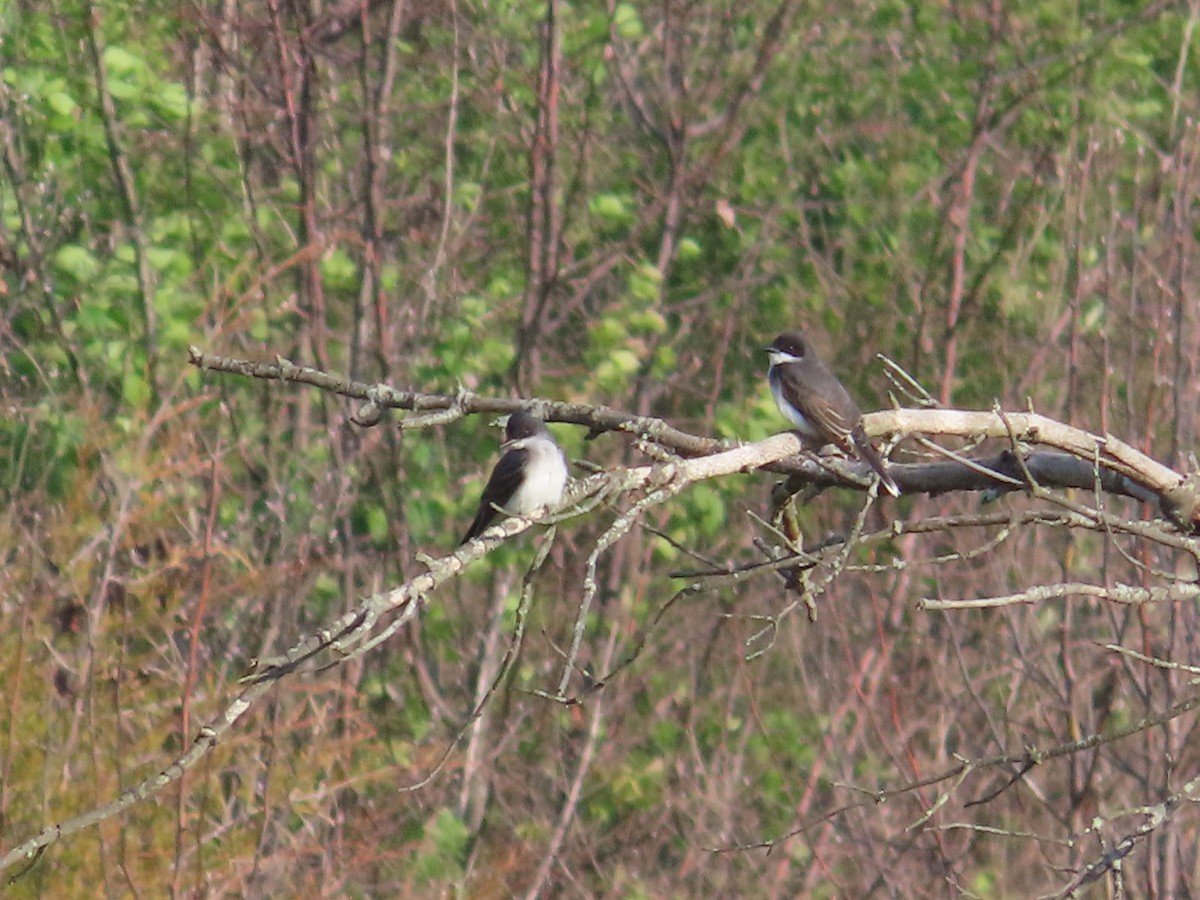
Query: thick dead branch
pixel 1087 459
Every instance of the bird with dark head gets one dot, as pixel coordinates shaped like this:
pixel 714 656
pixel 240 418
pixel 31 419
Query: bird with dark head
pixel 530 474
pixel 812 399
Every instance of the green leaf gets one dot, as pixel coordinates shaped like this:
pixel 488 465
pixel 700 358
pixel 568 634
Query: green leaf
pixel 449 834
pixel 339 271
pixel 260 327
pixel 616 368
pixel 646 283
pixel 125 90
pixel 177 333
pixel 377 524
pixel 707 509
pixel 77 262
pixel 627 23
pixel 665 361
pixel 689 249
pixel 172 101
pixel 171 262
pixel 648 321
pixel 607 333
pixel 467 194
pixel 62 103
pixel 612 207
pixel 121 62
pixel 135 390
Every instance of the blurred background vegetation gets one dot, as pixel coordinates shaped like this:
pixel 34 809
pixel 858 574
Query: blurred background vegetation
pixel 615 204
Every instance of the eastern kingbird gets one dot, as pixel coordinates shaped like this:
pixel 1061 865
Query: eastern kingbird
pixel 813 400
pixel 531 473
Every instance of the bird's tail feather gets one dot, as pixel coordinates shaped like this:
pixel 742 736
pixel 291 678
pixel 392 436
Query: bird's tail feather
pixel 482 520
pixel 868 452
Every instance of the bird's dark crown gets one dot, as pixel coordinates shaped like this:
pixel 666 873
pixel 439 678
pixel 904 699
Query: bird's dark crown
pixel 792 343
pixel 522 424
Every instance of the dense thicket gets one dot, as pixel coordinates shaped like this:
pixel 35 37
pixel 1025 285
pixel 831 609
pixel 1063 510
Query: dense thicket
pixel 612 204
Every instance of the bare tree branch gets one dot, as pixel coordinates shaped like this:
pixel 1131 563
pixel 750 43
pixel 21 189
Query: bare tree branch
pixel 1118 467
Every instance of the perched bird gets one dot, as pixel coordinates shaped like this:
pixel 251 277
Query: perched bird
pixel 531 473
pixel 812 399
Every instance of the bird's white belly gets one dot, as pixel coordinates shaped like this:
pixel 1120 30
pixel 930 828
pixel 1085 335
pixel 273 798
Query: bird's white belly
pixel 790 412
pixel 543 484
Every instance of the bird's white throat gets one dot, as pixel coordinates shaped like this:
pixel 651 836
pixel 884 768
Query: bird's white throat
pixel 779 357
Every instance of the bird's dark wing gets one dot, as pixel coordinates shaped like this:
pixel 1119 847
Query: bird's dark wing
pixel 822 400
pixel 502 484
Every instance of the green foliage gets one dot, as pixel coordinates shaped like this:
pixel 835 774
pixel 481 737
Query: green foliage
pixel 43 454
pixel 703 513
pixel 821 191
pixel 627 23
pixel 442 852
